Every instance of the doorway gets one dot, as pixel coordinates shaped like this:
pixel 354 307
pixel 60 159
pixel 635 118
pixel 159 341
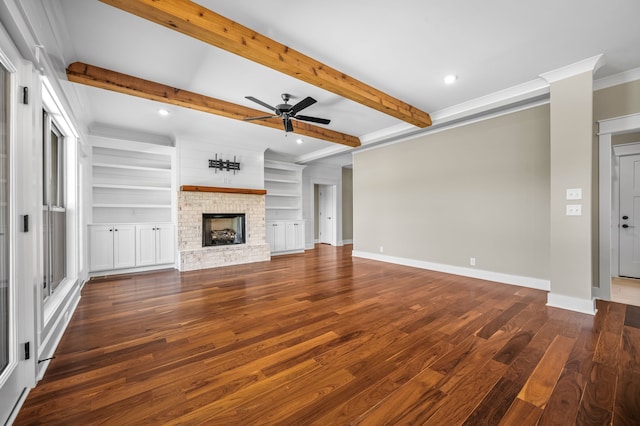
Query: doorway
pixel 629 216
pixel 625 282
pixel 326 214
pixel 610 216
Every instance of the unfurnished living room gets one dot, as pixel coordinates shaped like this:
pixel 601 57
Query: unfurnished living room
pixel 329 213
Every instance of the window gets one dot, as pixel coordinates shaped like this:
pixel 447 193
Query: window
pixel 4 220
pixel 53 209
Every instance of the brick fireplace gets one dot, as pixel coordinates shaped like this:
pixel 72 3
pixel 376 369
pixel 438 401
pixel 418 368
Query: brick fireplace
pixel 194 201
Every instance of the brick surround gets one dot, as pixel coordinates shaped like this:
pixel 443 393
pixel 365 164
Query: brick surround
pixel 191 206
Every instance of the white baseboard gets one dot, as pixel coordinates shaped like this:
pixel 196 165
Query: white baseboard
pixel 535 283
pixel 347 241
pixel 100 274
pixel 585 306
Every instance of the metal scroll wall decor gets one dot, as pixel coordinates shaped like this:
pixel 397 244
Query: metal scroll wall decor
pixel 228 165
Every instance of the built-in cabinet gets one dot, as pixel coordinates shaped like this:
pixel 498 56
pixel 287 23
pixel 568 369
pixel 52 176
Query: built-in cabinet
pixel 132 205
pixel 121 246
pixel 285 227
pixel 112 246
pixel 285 235
pixel 155 244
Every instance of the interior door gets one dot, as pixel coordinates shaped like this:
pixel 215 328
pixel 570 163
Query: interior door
pixel 16 248
pixel 629 220
pixel 326 214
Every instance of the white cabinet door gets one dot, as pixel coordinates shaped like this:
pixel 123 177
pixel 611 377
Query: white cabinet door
pixel 155 244
pixel 294 238
pixel 269 234
pixel 299 235
pixel 101 247
pixel 124 246
pixel 165 244
pixel 285 235
pixel 275 233
pixel 290 235
pixel 146 245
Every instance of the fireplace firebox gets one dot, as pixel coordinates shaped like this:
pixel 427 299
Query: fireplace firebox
pixel 222 229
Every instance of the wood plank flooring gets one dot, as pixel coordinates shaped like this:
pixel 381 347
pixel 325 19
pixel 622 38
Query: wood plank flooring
pixel 323 338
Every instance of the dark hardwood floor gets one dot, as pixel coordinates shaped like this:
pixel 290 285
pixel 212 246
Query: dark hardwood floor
pixel 323 338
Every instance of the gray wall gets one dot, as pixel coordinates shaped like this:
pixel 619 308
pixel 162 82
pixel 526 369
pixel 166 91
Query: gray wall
pixel 479 190
pixel 347 204
pixel 571 167
pixel 616 101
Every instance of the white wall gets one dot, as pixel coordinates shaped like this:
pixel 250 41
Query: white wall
pixel 193 165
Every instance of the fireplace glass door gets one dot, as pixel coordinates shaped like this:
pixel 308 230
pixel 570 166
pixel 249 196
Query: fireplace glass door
pixel 223 229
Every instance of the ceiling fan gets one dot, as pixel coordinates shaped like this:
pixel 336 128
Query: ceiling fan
pixel 288 111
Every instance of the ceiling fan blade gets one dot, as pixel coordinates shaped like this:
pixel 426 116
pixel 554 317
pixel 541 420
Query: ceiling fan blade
pixel 258 101
pixel 288 127
pixel 312 119
pixel 308 101
pixel 264 117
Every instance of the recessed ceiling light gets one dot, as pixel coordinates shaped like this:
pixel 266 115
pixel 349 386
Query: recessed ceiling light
pixel 299 141
pixel 163 112
pixel 450 79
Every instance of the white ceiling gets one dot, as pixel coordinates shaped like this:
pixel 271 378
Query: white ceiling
pixel 404 48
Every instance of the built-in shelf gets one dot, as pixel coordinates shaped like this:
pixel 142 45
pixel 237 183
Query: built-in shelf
pixel 285 229
pixel 282 208
pixel 133 206
pixel 283 182
pixel 131 182
pixel 144 188
pixel 282 195
pixel 127 167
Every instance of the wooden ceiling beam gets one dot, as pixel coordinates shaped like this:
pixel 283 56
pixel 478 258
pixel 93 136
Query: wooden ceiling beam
pixel 203 24
pixel 90 75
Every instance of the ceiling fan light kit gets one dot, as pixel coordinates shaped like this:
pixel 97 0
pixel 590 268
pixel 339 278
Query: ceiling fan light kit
pixel 288 112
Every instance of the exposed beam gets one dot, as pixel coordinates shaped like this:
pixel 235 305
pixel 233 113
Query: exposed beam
pixel 90 75
pixel 201 23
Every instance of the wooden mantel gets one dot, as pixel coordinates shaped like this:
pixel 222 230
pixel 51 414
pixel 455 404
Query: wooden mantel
pixel 191 188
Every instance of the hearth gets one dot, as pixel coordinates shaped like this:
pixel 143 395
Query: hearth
pixel 223 229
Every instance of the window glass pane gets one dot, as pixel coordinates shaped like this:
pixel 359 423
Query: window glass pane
pixel 53 170
pixel 45 175
pixel 4 220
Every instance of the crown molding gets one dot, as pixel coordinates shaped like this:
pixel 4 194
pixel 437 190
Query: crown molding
pixel 521 92
pixel 617 79
pixel 590 64
pixel 320 154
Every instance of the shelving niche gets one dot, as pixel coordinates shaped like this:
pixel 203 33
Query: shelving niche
pixel 132 182
pixel 132 207
pixel 283 182
pixel 284 224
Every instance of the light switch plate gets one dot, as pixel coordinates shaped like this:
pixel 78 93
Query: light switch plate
pixel 574 194
pixel 574 209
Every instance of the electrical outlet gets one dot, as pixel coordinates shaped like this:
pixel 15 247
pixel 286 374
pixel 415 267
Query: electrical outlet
pixel 472 261
pixel 381 249
pixel 574 209
pixel 574 194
